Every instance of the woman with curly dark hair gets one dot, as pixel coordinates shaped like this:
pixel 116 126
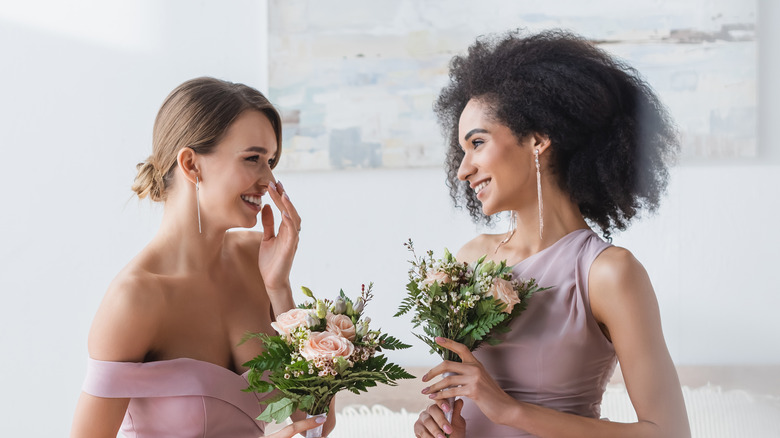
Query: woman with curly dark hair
pixel 564 137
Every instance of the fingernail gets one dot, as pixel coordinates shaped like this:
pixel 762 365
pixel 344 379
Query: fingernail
pixel 440 436
pixel 446 408
pixel 425 390
pixel 272 185
pixel 440 340
pixel 320 420
pixel 286 215
pixel 447 428
pixel 286 197
pixel 432 396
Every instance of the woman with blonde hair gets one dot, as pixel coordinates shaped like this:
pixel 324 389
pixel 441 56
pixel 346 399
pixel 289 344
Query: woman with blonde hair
pixel 556 132
pixel 164 353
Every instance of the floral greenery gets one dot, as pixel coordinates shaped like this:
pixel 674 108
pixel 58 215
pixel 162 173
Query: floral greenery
pixel 460 301
pixel 310 384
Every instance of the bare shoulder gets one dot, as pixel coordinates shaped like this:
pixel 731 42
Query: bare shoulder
pixel 477 247
pixel 618 282
pixel 128 317
pixel 615 267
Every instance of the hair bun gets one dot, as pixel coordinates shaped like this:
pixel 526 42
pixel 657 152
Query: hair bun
pixel 148 182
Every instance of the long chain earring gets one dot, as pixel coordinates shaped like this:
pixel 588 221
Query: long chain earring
pixel 539 192
pixel 511 232
pixel 197 201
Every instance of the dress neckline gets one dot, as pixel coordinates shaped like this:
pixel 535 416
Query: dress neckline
pixel 166 362
pixel 567 236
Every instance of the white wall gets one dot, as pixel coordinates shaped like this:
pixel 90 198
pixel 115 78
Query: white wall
pixel 80 84
pixel 78 95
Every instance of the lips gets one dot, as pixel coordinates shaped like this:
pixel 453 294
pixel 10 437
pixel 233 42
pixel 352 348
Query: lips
pixel 479 187
pixel 254 200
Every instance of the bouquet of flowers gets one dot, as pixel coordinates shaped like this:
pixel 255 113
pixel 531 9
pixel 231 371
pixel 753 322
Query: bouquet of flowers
pixel 467 303
pixel 322 348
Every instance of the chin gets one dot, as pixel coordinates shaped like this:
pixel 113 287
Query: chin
pixel 488 211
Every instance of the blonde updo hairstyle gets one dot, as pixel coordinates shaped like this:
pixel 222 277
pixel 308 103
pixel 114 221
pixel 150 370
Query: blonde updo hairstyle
pixel 197 114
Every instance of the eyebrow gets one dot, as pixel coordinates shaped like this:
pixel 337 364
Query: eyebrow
pixel 257 149
pixel 474 131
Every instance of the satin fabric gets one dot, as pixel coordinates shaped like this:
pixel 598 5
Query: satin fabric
pixel 182 397
pixel 555 354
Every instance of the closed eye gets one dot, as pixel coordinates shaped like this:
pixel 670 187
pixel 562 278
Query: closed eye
pixel 253 158
pixel 477 142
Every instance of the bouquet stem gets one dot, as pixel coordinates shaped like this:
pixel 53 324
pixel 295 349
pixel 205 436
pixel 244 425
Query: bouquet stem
pixel 450 400
pixel 317 431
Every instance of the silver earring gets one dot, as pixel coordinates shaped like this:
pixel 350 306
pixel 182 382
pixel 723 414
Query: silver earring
pixel 539 192
pixel 197 201
pixel 510 232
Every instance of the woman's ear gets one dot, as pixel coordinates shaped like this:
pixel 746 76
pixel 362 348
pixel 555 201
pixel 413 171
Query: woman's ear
pixel 541 142
pixel 187 160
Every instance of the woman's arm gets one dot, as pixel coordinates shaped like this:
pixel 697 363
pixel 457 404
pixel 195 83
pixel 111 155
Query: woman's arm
pixel 122 331
pixel 622 299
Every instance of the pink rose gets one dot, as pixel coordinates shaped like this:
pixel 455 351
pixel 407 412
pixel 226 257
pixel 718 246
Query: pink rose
pixel 503 291
pixel 290 320
pixel 340 325
pixel 433 276
pixel 326 345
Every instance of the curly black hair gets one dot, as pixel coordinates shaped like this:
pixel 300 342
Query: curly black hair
pixel 611 138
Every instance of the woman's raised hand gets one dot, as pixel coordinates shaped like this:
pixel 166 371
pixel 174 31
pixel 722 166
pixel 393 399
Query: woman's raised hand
pixel 278 249
pixel 297 427
pixel 470 380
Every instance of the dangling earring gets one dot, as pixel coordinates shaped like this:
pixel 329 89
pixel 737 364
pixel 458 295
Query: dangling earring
pixel 197 201
pixel 510 232
pixel 539 192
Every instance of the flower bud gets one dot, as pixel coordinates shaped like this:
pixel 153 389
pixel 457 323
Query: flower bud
pixel 340 306
pixel 322 309
pixel 362 327
pixel 358 307
pixel 311 320
pixel 307 292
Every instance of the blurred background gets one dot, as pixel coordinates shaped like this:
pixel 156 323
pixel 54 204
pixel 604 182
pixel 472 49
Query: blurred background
pixel 81 82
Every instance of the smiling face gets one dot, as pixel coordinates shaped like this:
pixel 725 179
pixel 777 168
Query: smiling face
pixel 237 173
pixel 498 167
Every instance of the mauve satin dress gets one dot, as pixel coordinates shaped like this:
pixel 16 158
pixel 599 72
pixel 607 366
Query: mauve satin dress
pixel 555 354
pixel 178 398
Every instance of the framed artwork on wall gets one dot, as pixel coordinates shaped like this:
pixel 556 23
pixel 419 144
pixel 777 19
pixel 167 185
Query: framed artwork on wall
pixel 356 81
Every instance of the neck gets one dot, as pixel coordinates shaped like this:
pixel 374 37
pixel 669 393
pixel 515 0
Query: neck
pixel 561 216
pixel 182 246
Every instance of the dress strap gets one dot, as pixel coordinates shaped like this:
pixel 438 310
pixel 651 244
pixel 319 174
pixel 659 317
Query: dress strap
pixel 169 378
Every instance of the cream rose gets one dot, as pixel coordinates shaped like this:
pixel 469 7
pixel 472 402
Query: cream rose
pixel 340 325
pixel 433 276
pixel 326 345
pixel 290 320
pixel 503 291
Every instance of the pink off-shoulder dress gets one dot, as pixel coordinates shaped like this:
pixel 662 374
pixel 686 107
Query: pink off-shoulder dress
pixel 178 398
pixel 555 354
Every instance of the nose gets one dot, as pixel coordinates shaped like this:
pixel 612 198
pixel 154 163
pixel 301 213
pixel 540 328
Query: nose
pixel 266 175
pixel 466 168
